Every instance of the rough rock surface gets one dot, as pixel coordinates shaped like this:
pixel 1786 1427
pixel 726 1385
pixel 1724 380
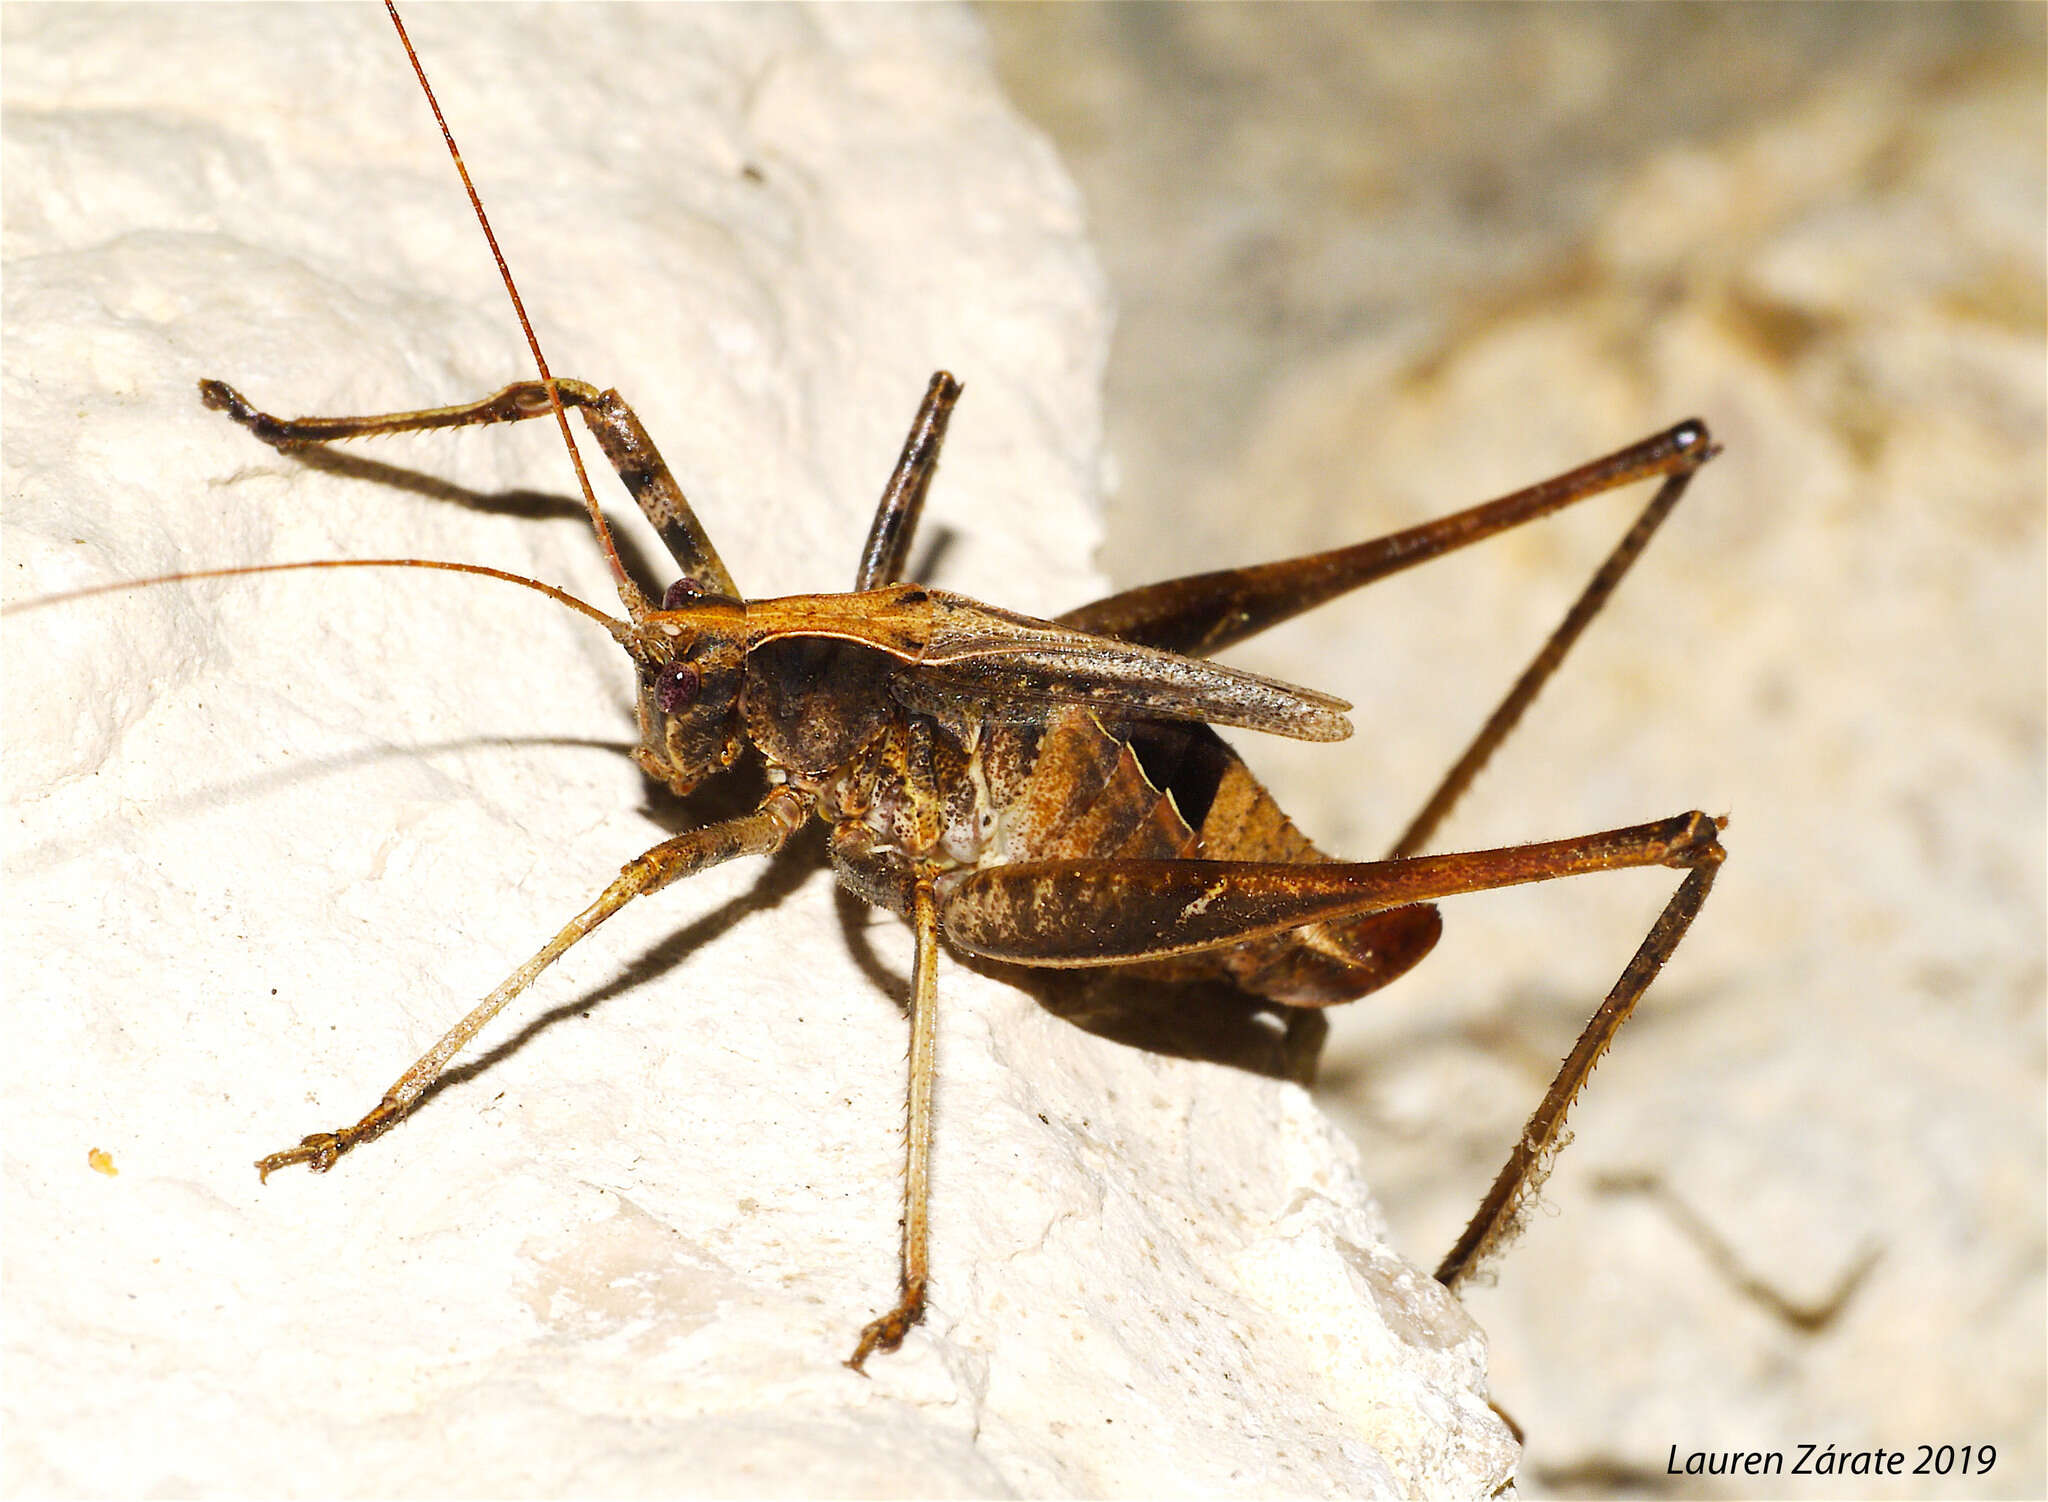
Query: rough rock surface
pixel 268 838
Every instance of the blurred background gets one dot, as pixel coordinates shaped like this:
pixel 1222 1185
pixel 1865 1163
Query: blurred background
pixel 1377 263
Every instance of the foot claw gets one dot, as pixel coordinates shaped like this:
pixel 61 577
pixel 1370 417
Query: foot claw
pixel 886 1334
pixel 317 1152
pixel 219 396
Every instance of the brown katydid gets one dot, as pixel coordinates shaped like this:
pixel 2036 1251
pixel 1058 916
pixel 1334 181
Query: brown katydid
pixel 966 689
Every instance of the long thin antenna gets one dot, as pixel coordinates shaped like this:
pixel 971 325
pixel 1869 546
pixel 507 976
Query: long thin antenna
pixel 559 596
pixel 637 604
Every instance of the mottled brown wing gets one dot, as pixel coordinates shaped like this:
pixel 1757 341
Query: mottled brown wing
pixel 980 654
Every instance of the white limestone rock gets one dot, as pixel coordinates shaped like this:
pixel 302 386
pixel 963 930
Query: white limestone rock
pixel 269 838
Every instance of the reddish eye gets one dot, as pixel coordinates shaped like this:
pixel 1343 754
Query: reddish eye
pixel 680 593
pixel 676 686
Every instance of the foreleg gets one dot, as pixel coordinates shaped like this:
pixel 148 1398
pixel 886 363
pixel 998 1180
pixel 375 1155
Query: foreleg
pixel 626 444
pixel 759 833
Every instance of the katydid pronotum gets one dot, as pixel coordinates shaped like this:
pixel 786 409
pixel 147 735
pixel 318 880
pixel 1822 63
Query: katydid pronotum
pixel 921 825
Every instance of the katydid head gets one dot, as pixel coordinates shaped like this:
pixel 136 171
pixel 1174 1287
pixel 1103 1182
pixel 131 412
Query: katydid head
pixel 691 657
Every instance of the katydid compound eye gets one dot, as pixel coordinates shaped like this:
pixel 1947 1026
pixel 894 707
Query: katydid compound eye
pixel 680 593
pixel 676 685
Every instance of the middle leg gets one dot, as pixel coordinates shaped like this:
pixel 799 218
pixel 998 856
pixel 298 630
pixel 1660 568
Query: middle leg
pixel 886 1334
pixel 887 551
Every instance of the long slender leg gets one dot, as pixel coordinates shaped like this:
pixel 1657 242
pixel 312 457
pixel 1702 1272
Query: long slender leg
pixel 1501 723
pixel 761 832
pixel 886 1334
pixel 611 421
pixel 887 551
pixel 631 452
pixel 1204 613
pixel 1077 912
pixel 1073 912
pixel 514 403
pixel 1501 1214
